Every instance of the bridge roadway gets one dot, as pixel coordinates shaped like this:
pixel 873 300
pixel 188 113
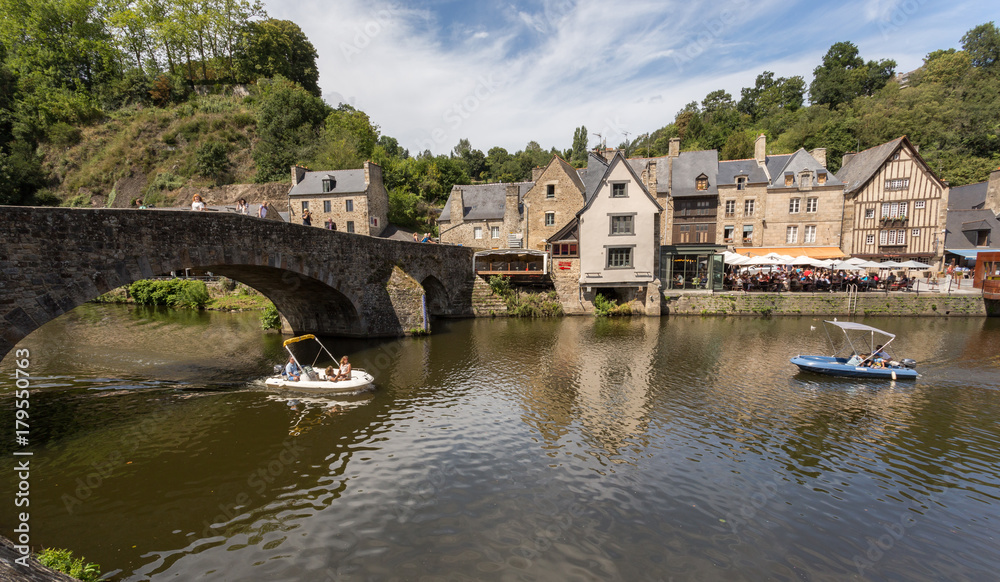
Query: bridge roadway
pixel 328 282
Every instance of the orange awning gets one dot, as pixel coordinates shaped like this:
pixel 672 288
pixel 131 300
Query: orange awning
pixel 811 252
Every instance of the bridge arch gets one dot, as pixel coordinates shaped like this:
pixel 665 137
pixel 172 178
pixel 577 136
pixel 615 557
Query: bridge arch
pixel 54 259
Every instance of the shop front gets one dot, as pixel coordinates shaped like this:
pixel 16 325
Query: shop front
pixel 691 267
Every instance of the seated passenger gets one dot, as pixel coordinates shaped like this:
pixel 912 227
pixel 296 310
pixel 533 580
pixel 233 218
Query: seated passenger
pixel 330 373
pixel 292 370
pixel 345 370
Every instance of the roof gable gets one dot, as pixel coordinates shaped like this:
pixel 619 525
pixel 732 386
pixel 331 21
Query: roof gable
pixel 802 161
pixel 861 168
pixel 615 162
pixel 483 201
pixel 558 164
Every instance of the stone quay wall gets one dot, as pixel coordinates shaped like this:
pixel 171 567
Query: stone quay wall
pixel 834 304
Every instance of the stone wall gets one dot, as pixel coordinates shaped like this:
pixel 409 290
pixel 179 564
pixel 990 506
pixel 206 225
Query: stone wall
pixel 826 304
pixel 464 234
pixel 407 298
pixel 338 211
pixel 566 202
pixel 826 219
pixel 565 273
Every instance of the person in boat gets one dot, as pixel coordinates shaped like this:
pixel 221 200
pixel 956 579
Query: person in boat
pixel 330 372
pixel 345 370
pixel 292 370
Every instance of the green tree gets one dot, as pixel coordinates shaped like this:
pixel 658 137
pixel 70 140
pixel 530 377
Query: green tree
pixel 769 94
pixel 276 47
pixel 580 140
pixel 983 45
pixel 844 75
pixel 288 119
pixel 212 159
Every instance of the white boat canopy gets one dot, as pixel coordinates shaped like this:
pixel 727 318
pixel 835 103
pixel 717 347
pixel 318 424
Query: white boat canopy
pixel 850 325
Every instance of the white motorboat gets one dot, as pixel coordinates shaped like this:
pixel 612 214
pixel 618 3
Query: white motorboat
pixel 314 380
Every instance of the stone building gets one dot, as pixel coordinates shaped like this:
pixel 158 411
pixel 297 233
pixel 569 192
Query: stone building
pixel 355 200
pixel 483 216
pixel 895 207
pixel 805 207
pixel 972 224
pixel 552 202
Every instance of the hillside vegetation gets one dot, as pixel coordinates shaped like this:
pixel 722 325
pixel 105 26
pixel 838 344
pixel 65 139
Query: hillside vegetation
pixel 105 101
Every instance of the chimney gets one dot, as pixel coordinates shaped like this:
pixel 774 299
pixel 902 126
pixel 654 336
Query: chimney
pixel 675 147
pixel 536 173
pixel 368 176
pixel 298 174
pixel 457 206
pixel 512 213
pixel 820 155
pixel 760 149
pixel 847 158
pixel 993 193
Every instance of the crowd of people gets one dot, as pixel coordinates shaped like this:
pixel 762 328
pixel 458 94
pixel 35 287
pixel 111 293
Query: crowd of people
pixel 813 279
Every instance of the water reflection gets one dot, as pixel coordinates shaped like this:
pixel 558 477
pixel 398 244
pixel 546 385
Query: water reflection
pixel 634 449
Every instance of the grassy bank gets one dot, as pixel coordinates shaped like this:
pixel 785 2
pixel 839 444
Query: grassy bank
pixel 222 295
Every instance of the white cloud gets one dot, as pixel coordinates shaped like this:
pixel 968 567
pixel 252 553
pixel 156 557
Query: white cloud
pixel 537 76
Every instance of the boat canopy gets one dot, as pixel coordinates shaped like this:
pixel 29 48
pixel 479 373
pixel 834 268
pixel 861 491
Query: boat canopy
pixel 850 325
pixel 298 339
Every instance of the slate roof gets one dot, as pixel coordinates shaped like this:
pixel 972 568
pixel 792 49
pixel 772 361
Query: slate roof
pixel 484 201
pixel 635 176
pixel 860 168
pixel 570 232
pixel 348 181
pixel 959 222
pixel 729 169
pixel 571 172
pixel 798 162
pixel 687 167
pixel 969 197
pixel 596 168
pixel 775 164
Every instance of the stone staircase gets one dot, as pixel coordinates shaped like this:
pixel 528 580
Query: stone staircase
pixel 484 302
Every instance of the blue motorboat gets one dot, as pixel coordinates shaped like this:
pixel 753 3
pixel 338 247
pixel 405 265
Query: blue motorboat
pixel 875 362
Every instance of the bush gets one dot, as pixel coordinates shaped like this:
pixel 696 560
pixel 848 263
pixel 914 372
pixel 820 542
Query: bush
pixel 500 285
pixel 62 560
pixel 270 319
pixel 172 293
pixel 63 134
pixel 603 307
pixel 212 159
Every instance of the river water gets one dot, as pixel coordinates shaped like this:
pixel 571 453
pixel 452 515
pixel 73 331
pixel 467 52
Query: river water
pixel 583 449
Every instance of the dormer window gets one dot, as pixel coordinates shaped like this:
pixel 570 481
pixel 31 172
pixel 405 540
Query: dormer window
pixel 329 183
pixel 741 182
pixel 701 183
pixel 789 179
pixel 821 178
pixel 805 180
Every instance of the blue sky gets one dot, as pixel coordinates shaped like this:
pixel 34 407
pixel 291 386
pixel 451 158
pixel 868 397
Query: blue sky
pixel 505 73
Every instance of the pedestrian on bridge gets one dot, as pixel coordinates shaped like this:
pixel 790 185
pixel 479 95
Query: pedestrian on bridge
pixel 197 203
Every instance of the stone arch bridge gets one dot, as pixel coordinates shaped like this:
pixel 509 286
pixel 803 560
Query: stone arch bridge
pixel 54 259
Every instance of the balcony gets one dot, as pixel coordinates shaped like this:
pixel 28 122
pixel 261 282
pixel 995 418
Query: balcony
pixel 897 221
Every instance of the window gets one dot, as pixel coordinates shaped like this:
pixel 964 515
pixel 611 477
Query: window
pixel 349 205
pixel 375 221
pixel 793 206
pixel 920 204
pixel 789 180
pixel 869 213
pixel 812 204
pixel 894 209
pixel 900 237
pixel 741 182
pixel 477 232
pixel 982 238
pixel 550 219
pixel 886 208
pixel 564 250
pixel 683 233
pixel 623 224
pixel 821 178
pixel 811 233
pixel 618 190
pixel 620 258
pixel 727 233
pixel 329 184
pixel 897 184
pixel 869 239
pixel 915 232
pixel 747 234
pixel 494 232
pixel 730 207
pixel 895 156
pixel 305 205
pixel 326 206
pixel 903 206
pixel 883 237
pixel 350 226
pixel 792 235
pixel 748 207
pixel 550 191
pixel 701 183
pixel 701 233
